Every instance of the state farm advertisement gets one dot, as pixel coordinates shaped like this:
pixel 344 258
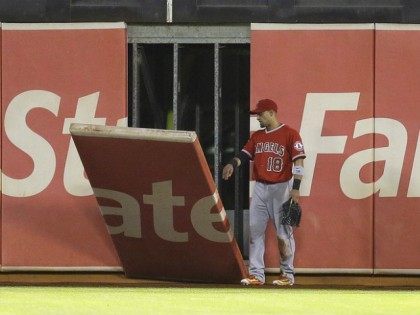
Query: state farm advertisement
pixel 321 77
pixel 160 203
pixel 397 142
pixel 53 75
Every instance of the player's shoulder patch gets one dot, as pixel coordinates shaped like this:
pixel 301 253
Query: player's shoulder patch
pixel 298 145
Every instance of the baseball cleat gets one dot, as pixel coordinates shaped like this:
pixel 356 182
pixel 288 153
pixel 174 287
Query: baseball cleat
pixel 283 281
pixel 251 280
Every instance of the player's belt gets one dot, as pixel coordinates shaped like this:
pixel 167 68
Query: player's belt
pixel 266 182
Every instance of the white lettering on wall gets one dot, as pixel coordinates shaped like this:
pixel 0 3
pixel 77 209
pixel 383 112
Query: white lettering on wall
pixel 129 211
pixel 414 187
pixel 316 105
pixel 202 219
pixel 163 203
pixel 40 151
pixel 350 182
pixel 393 155
pixel 74 179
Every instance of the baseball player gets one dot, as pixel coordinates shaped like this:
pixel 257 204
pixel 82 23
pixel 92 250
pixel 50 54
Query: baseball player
pixel 278 153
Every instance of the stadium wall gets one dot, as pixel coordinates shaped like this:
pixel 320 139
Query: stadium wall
pixel 53 75
pixel 346 88
pixel 351 91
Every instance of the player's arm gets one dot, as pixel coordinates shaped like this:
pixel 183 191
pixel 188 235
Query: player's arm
pixel 234 163
pixel 297 171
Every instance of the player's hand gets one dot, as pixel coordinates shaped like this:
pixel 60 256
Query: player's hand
pixel 227 171
pixel 295 194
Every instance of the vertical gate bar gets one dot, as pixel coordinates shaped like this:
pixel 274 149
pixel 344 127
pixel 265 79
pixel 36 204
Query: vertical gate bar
pixel 135 110
pixel 198 119
pixel 217 116
pixel 175 86
pixel 169 9
pixel 238 210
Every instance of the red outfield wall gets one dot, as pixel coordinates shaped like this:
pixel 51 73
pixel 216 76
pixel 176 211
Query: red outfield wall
pixel 397 142
pixel 165 215
pixel 355 105
pixel 53 75
pixel 336 84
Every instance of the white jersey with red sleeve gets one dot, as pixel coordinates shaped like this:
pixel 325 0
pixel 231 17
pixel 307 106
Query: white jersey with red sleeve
pixel 274 152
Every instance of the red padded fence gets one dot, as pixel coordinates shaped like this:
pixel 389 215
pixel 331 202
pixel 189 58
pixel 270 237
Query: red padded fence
pixel 160 203
pixel 53 75
pixel 351 91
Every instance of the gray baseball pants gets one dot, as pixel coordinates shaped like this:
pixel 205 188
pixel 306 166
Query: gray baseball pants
pixel 266 203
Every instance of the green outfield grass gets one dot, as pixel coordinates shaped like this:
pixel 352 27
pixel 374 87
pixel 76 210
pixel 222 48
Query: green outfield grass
pixel 232 300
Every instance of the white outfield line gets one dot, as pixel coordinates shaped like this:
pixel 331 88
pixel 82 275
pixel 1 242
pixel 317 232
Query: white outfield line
pixel 397 27
pixel 352 271
pixel 66 269
pixel 334 27
pixel 310 27
pixel 62 26
pixel 319 271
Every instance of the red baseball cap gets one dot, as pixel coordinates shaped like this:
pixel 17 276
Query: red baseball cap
pixel 263 105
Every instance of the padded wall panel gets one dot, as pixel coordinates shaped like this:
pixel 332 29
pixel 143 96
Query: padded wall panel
pixel 397 142
pixel 160 203
pixel 322 78
pixel 53 75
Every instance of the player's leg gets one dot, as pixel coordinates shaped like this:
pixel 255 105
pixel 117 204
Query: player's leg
pixel 286 243
pixel 285 238
pixel 258 218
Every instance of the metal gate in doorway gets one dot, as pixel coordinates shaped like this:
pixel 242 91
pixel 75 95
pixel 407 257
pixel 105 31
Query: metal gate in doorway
pixel 197 78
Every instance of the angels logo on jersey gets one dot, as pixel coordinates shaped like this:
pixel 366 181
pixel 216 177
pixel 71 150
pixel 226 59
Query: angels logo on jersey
pixel 298 146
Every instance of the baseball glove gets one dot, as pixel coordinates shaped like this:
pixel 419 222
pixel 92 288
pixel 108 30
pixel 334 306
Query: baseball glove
pixel 291 213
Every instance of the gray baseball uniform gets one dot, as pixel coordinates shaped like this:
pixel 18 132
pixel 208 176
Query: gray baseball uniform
pixel 266 203
pixel 273 153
